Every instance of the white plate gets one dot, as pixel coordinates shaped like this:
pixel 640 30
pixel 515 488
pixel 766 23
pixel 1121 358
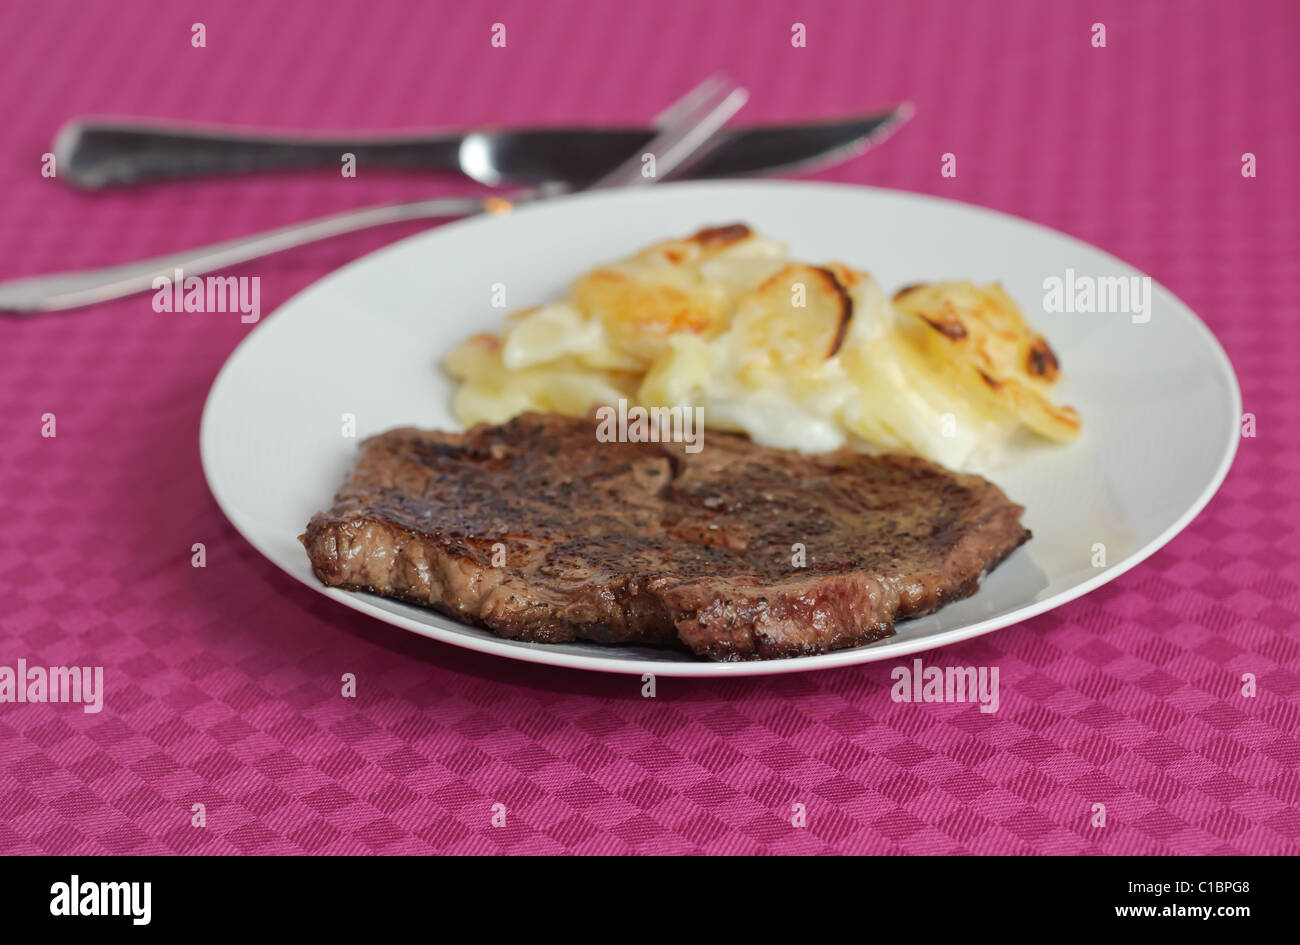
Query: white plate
pixel 1159 400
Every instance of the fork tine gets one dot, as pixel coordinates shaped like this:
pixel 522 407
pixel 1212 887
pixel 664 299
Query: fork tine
pixel 697 118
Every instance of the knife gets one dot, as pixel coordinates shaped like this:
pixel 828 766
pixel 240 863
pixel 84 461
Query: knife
pixel 96 153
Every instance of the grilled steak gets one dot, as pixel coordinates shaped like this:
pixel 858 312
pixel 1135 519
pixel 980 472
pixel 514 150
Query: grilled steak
pixel 539 532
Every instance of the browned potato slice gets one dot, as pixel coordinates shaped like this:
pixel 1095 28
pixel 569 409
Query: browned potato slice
pixel 639 313
pixel 663 291
pixel 978 338
pixel 795 320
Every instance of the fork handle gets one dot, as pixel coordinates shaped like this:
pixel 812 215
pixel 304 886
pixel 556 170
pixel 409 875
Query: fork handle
pixel 94 154
pixel 64 290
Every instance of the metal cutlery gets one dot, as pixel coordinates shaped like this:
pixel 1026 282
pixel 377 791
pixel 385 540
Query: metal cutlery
pixel 683 138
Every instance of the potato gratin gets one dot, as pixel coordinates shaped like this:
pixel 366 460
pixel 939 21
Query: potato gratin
pixel 796 356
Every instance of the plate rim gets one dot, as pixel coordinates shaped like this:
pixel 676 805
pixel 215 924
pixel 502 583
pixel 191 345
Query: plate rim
pixel 547 655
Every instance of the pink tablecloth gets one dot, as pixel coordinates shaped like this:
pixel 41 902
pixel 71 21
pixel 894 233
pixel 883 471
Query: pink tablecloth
pixel 222 683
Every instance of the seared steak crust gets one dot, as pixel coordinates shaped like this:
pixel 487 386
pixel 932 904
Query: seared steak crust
pixel 538 532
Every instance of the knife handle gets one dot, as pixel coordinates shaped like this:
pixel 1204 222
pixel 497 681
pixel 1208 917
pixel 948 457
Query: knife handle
pixel 94 154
